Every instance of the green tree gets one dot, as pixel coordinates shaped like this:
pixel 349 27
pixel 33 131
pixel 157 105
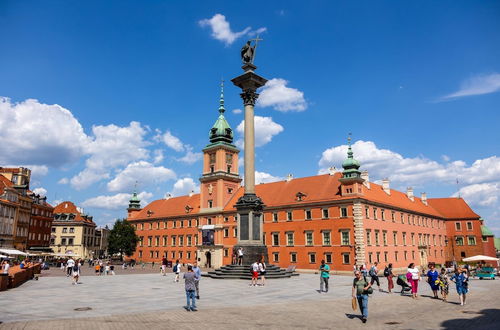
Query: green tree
pixel 122 238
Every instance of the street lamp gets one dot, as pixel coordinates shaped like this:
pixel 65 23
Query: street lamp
pixel 452 249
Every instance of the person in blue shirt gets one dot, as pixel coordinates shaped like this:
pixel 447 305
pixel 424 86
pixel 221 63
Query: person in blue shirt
pixel 432 276
pixel 324 273
pixel 197 278
pixel 461 280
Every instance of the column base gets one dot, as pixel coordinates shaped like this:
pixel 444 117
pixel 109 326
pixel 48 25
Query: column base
pixel 253 253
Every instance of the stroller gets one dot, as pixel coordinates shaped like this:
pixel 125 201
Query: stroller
pixel 405 287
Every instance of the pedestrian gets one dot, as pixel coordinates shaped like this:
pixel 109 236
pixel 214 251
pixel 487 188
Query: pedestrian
pixel 262 272
pixel 389 275
pixel 164 266
pixel 5 267
pixel 69 266
pixel 360 291
pixel 107 269
pixel 75 271
pixel 324 276
pixel 62 265
pixel 101 267
pixel 190 287
pixel 177 270
pixel 153 264
pixel 443 283
pixel 413 276
pixel 197 272
pixel 234 258
pixel 97 268
pixel 112 269
pixel 255 273
pixel 364 270
pixel 240 256
pixel 432 276
pixel 461 282
pixel 374 275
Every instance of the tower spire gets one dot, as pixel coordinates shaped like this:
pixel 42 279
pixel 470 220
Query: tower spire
pixel 221 101
pixel 350 154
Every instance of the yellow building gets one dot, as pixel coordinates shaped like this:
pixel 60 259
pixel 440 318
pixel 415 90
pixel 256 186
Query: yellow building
pixel 73 233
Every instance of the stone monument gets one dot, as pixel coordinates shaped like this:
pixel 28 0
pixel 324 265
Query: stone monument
pixel 250 206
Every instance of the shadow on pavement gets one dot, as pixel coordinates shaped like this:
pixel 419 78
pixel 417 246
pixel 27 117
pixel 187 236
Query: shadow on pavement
pixel 488 319
pixel 353 316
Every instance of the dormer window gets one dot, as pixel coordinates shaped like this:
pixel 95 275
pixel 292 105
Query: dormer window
pixel 300 196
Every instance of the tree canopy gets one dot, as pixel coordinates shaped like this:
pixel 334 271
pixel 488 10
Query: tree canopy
pixel 122 238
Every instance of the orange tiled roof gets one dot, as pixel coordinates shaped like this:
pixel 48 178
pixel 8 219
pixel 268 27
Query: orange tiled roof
pixel 4 183
pixel 174 206
pixel 453 208
pixel 69 207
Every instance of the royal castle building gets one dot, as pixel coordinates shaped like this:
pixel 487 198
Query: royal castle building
pixel 340 217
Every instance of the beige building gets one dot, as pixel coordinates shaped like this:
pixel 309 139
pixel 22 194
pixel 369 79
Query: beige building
pixel 73 233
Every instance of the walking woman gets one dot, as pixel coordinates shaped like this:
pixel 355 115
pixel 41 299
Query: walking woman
pixel 461 281
pixel 443 283
pixel 432 276
pixel 389 274
pixel 359 291
pixel 413 276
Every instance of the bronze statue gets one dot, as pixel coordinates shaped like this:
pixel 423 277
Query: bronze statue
pixel 248 51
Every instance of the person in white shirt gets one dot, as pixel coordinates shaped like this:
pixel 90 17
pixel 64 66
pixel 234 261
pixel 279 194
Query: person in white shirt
pixel 177 270
pixel 240 256
pixel 413 276
pixel 255 273
pixel 5 266
pixel 69 266
pixel 262 271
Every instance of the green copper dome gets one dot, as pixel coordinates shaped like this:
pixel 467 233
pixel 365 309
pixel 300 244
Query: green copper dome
pixel 135 202
pixel 221 131
pixel 350 165
pixel 485 231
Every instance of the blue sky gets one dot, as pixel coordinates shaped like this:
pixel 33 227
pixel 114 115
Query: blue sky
pixel 97 95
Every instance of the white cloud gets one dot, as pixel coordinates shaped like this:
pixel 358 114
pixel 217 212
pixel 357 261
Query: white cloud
pixel 263 177
pixel 237 111
pixel 39 134
pixel 63 181
pixel 56 202
pixel 143 172
pixel 282 98
pixel 40 191
pixel 184 186
pixel 190 157
pixel 111 147
pixel 482 194
pixel 257 32
pixel 158 156
pixel 114 202
pixel 478 85
pixel 265 130
pixel 221 29
pixel 171 141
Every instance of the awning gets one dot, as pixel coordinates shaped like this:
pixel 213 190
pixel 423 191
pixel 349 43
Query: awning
pixel 13 252
pixel 480 258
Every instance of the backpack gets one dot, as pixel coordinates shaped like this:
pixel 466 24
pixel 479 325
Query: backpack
pixel 175 269
pixel 75 268
pixel 386 272
pixel 372 271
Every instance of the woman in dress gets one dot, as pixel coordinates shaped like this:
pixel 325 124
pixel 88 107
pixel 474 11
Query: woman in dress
pixel 461 282
pixel 443 283
pixel 432 276
pixel 414 276
pixel 389 274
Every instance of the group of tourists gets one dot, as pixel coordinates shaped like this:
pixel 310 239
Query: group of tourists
pixel 258 269
pixel 437 280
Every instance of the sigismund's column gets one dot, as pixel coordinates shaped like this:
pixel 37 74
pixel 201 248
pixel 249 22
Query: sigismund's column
pixel 250 206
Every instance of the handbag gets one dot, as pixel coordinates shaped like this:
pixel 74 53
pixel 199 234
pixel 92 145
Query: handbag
pixel 369 290
pixel 354 304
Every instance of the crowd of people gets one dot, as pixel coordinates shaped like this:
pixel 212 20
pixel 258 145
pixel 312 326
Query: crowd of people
pixel 438 281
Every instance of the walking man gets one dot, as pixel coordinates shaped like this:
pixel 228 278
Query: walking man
pixel 374 275
pixel 359 291
pixel 189 286
pixel 197 273
pixel 324 273
pixel 240 256
pixel 177 270
pixel 69 267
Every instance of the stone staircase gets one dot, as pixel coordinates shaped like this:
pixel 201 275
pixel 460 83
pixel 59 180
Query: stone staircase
pixel 243 272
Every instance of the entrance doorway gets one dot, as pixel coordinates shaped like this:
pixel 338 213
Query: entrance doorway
pixel 423 258
pixel 208 258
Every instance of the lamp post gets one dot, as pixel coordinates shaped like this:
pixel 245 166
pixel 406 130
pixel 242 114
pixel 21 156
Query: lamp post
pixel 452 249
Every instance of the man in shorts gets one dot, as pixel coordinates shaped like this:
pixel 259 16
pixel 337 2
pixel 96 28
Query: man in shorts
pixel 255 273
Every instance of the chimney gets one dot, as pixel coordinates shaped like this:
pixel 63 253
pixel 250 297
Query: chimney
pixel 191 193
pixel 385 186
pixel 289 177
pixel 409 193
pixel 366 178
pixel 332 170
pixel 423 197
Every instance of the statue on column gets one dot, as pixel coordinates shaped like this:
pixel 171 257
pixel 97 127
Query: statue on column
pixel 248 51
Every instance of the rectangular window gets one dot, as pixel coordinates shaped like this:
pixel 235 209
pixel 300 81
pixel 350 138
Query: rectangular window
pixel 406 255
pixel 141 239
pixel 396 255
pixel 312 258
pixel 377 242
pixel 173 254
pixel 293 257
pixel 308 215
pixel 367 212
pixel 346 258
pixel 151 254
pixel 458 226
pixel 235 232
pixel 181 240
pixel 395 238
pixel 276 239
pixel 412 239
pixel 53 229
pixel 63 241
pixel 386 256
pixel 189 254
pixel 65 230
pixel 157 240
pixel 289 216
pixel 393 216
pixel 402 217
pixel 289 239
pixel 150 240
pixel 70 241
pixel 382 214
pixel 71 230
pixel 343 212
pixel 189 240
pixel 275 217
pixel 472 240
pixel 210 204
pixel 413 255
pixel 469 225
pixel 276 257
pixel 309 238
pixel 226 219
pixel 404 238
pixel 226 232
pixel 345 239
pixel 174 240
pixel 181 223
pixel 368 237
pixel 174 224
pixel 370 257
pixel 328 258
pixel 325 214
pixel 326 238
pixel 378 256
